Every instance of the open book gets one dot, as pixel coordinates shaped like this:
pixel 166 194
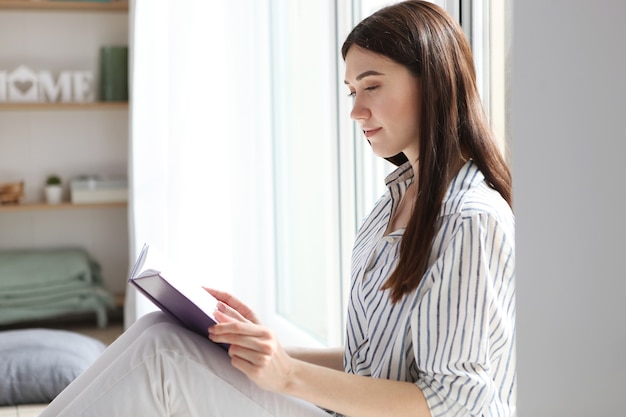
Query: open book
pixel 190 304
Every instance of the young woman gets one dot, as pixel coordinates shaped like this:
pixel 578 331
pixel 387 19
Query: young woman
pixel 431 320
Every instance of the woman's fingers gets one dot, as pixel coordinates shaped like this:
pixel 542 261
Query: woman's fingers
pixel 242 333
pixel 219 295
pixel 234 303
pixel 231 312
pixel 226 298
pixel 229 324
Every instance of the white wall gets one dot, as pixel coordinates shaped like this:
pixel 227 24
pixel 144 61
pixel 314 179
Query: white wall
pixel 569 143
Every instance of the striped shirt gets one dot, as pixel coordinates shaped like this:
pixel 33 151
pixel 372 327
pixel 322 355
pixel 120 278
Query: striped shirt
pixel 454 336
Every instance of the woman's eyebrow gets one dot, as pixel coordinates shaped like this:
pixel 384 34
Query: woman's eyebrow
pixel 365 74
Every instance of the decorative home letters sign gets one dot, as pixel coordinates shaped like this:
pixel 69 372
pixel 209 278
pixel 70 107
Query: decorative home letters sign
pixel 25 85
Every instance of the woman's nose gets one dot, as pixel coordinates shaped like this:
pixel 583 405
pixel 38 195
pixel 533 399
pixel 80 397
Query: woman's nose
pixel 359 111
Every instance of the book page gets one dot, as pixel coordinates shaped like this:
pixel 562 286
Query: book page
pixel 195 293
pixel 150 260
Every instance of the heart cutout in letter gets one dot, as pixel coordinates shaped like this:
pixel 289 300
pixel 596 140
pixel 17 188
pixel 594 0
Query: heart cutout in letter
pixel 23 86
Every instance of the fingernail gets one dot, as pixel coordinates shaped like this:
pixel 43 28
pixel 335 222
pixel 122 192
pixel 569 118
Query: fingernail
pixel 221 307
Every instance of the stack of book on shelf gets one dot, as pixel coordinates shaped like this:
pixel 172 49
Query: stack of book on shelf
pixel 88 190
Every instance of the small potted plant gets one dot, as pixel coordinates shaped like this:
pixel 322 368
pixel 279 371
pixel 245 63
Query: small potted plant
pixel 53 189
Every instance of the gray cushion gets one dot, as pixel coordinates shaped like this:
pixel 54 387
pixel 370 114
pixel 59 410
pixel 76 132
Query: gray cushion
pixel 37 364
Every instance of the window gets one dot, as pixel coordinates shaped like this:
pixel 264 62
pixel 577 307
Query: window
pixel 487 25
pixel 306 190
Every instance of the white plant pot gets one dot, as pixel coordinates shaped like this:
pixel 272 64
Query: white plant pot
pixel 53 194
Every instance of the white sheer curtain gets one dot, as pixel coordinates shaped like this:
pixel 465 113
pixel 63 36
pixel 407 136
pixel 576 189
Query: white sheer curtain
pixel 199 139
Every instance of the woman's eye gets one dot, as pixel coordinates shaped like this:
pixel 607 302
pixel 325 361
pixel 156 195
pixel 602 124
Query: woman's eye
pixel 353 93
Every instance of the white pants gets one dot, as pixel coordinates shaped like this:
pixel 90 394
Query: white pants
pixel 158 368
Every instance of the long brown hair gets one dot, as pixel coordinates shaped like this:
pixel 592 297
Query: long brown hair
pixel 425 39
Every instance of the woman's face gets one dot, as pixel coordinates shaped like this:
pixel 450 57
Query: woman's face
pixel 387 102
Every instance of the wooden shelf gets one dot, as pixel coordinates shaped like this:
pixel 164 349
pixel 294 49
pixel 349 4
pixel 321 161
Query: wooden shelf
pixel 63 5
pixel 63 206
pixel 99 105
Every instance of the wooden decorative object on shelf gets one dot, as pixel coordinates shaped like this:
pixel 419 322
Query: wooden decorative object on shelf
pixel 11 192
pixel 26 85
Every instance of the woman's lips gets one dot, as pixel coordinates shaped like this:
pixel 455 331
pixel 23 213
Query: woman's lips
pixel 371 132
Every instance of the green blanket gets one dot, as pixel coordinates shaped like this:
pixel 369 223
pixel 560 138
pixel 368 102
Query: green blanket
pixel 37 284
pixel 24 268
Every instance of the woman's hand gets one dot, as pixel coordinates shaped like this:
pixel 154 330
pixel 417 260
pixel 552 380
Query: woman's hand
pixel 254 349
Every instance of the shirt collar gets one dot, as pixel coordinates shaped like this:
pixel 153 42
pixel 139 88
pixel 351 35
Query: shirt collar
pixel 401 174
pixel 467 178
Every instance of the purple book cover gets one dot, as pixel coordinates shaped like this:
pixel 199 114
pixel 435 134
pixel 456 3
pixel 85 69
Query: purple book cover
pixel 191 305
